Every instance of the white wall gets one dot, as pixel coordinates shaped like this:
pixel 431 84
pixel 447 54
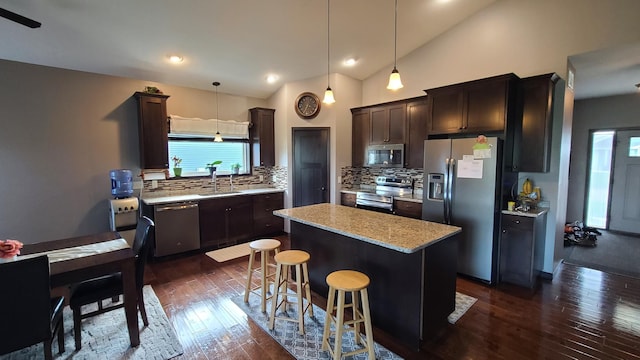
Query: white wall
pixel 526 37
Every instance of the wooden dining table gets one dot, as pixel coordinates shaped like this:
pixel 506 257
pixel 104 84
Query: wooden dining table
pixel 93 256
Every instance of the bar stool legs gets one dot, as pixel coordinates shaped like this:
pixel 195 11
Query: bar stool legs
pixel 356 283
pixel 264 246
pixel 297 259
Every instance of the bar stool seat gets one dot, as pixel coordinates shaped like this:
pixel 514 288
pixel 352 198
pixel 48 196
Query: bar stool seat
pixel 264 247
pixel 356 283
pixel 298 260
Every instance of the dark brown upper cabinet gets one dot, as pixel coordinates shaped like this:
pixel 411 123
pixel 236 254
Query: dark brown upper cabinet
pixel 388 124
pixel 479 106
pixel 360 135
pixel 262 136
pixel 536 97
pixel 417 112
pixel 153 130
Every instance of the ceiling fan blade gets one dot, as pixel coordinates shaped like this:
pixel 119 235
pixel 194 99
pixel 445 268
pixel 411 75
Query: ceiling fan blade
pixel 19 19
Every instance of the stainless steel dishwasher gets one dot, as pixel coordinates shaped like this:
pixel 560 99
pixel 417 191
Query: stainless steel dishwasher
pixel 177 228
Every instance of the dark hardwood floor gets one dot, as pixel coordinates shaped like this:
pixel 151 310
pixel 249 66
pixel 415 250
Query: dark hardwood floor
pixel 581 314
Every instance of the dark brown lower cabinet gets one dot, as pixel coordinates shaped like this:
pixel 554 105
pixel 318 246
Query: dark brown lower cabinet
pixel 348 199
pixel 225 221
pixel 264 222
pixel 521 249
pixel 408 209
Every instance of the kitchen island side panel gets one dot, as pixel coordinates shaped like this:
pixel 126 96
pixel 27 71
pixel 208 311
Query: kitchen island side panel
pixel 398 280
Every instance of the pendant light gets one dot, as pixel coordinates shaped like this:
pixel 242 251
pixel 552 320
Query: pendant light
pixel 218 137
pixel 328 94
pixel 394 79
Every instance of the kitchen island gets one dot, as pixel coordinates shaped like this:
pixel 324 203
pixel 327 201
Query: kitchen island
pixel 411 263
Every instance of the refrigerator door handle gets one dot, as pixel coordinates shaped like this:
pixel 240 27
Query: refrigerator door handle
pixel 445 194
pixel 451 170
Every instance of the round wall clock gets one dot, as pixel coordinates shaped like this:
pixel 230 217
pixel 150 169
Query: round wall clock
pixel 307 105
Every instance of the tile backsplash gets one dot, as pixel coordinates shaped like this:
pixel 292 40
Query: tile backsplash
pixel 353 177
pixel 275 176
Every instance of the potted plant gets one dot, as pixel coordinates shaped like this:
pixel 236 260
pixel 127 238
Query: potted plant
pixel 212 166
pixel 235 168
pixel 177 170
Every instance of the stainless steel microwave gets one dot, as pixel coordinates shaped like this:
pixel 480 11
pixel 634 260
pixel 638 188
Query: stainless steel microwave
pixel 387 155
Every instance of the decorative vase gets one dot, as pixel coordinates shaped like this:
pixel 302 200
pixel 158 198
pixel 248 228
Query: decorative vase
pixel 177 171
pixel 235 170
pixel 212 169
pixel 8 259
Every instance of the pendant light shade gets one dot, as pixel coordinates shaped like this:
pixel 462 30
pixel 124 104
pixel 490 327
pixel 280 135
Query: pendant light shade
pixel 394 79
pixel 218 137
pixel 328 94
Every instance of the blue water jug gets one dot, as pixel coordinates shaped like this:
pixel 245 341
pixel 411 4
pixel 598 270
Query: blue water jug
pixel 121 183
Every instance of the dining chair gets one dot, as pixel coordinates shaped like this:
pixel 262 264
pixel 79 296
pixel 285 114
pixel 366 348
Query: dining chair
pixel 29 314
pixel 110 286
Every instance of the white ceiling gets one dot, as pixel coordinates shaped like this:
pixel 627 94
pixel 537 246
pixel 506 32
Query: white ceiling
pixel 236 42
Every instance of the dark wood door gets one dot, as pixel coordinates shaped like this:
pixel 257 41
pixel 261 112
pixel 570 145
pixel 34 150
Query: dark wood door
pixel 445 110
pixel 388 124
pixel 360 136
pixel 262 136
pixel 485 106
pixel 310 166
pixel 379 125
pixel 153 130
pixel 417 113
pixel 537 120
pixel 212 223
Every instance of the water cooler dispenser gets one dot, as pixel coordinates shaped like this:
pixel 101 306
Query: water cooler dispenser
pixel 123 209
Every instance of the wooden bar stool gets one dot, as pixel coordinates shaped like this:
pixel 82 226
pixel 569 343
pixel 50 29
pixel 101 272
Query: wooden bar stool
pixel 298 259
pixel 264 246
pixel 356 283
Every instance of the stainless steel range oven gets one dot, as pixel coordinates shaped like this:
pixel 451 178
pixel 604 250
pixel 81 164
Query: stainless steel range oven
pixel 381 199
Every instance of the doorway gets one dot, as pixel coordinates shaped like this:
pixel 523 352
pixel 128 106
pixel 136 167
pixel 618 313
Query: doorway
pixel 613 193
pixel 310 166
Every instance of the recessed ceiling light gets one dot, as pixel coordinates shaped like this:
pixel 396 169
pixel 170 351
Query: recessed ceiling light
pixel 271 78
pixel 350 61
pixel 175 59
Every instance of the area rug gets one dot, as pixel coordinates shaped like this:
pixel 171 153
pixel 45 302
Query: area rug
pixel 106 337
pixel 463 303
pixel 230 253
pixel 309 345
pixel 615 253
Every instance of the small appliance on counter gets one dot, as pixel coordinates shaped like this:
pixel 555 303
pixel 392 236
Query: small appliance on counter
pixel 123 209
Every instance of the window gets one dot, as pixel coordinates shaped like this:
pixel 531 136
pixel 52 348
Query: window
pixel 634 146
pixel 599 178
pixel 196 153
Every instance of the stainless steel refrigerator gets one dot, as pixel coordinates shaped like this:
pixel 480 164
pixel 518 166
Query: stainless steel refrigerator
pixel 462 185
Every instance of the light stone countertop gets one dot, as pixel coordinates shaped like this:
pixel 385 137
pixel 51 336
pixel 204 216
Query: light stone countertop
pixel 207 195
pixel 533 213
pixel 394 232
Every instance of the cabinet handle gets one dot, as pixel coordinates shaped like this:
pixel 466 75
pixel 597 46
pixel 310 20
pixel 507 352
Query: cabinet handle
pixel 517 221
pixel 504 231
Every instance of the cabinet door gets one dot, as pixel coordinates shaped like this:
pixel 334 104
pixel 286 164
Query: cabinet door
pixel 485 106
pixel 537 121
pixel 359 136
pixel 262 136
pixel 445 110
pixel 239 220
pixel 212 223
pixel 517 250
pixel 388 124
pixel 408 209
pixel 379 125
pixel 153 130
pixel 416 134
pixel 348 199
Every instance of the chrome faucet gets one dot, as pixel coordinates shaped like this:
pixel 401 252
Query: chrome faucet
pixel 231 181
pixel 214 180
